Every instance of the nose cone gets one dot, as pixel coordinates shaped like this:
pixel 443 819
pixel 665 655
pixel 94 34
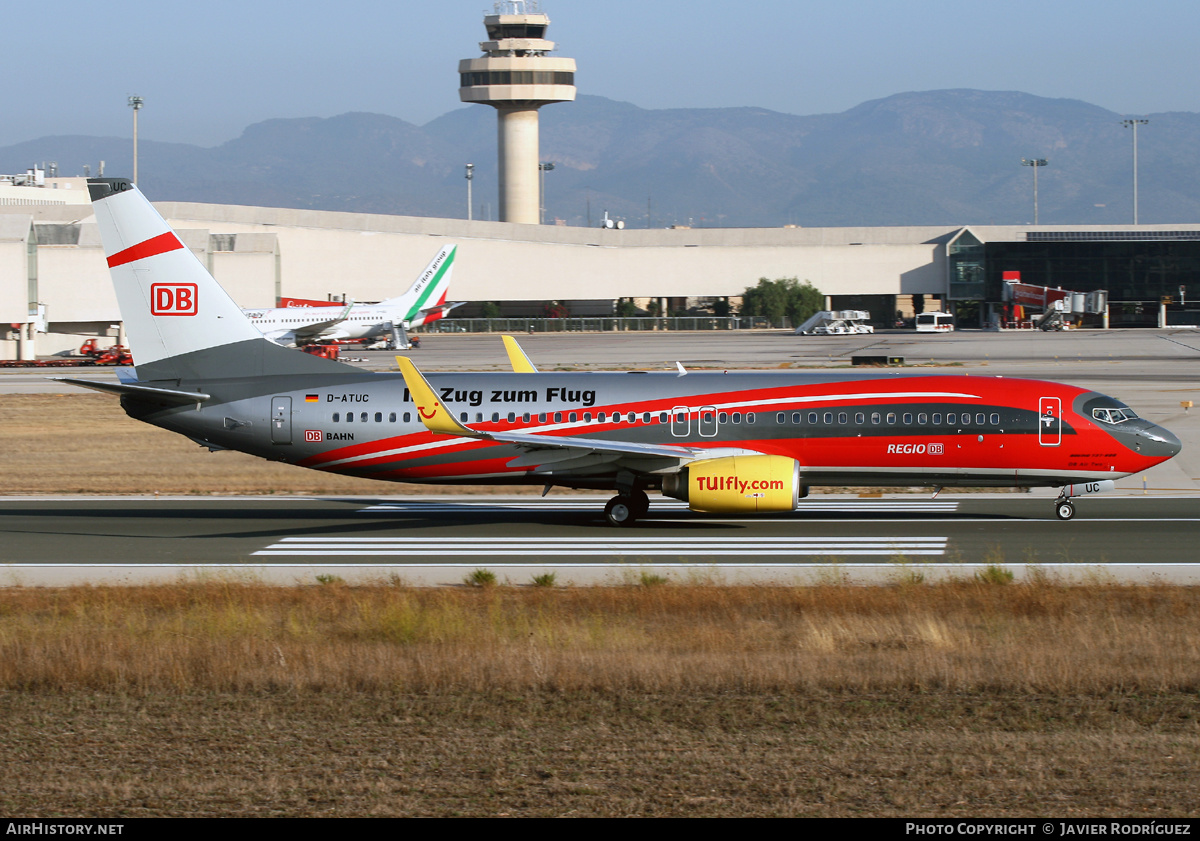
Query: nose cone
pixel 1156 442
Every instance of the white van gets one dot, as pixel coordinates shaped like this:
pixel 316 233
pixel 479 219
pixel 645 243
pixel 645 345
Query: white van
pixel 935 322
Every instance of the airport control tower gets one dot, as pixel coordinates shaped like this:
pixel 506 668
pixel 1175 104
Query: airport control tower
pixel 516 77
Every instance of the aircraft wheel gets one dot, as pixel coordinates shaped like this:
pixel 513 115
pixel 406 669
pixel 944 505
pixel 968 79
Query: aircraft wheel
pixel 621 511
pixel 641 503
pixel 1064 509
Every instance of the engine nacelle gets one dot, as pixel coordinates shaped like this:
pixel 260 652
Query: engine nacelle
pixel 738 484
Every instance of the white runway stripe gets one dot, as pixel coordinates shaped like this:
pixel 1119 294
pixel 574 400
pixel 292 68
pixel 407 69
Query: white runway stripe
pixel 422 548
pixel 866 506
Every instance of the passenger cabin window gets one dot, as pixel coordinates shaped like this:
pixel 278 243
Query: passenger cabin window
pixel 337 416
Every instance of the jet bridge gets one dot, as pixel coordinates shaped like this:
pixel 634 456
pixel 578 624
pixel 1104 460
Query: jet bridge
pixel 1056 303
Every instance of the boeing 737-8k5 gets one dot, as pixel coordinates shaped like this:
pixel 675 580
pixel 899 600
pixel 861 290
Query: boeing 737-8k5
pixel 724 443
pixel 424 302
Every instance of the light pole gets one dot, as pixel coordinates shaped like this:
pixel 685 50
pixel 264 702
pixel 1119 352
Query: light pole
pixel 543 168
pixel 135 102
pixel 1036 163
pixel 1133 124
pixel 470 178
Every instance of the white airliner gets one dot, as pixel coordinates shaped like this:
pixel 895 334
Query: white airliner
pixel 423 303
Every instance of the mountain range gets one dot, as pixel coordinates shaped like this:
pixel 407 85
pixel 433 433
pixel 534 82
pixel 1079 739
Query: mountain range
pixel 926 158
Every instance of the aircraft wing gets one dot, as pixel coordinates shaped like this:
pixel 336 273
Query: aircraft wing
pixel 314 330
pixel 540 449
pixel 520 361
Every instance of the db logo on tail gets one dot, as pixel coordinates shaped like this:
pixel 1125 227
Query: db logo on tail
pixel 173 299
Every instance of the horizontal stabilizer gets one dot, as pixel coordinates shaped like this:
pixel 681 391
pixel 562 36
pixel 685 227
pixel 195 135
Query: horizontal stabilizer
pixel 170 396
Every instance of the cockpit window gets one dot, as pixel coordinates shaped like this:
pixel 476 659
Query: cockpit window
pixel 1114 415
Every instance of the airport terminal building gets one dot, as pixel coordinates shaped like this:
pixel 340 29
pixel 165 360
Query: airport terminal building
pixel 54 284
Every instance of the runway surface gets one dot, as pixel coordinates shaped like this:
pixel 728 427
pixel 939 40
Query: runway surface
pixel 440 540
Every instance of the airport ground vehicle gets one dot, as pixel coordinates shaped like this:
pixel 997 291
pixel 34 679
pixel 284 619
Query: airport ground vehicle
pixel 722 442
pixel 935 322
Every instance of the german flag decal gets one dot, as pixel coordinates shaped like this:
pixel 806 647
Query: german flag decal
pixel 312 398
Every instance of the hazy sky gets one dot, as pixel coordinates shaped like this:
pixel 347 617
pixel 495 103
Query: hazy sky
pixel 208 70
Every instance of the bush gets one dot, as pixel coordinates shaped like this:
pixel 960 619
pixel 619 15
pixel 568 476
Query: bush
pixel 994 574
pixel 775 299
pixel 481 578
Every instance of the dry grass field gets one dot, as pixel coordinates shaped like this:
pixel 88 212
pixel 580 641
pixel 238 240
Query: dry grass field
pixel 962 699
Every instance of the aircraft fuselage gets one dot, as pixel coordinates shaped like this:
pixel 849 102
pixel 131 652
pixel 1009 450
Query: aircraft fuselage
pixel 858 430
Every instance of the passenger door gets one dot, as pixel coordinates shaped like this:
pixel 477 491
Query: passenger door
pixel 1049 421
pixel 281 420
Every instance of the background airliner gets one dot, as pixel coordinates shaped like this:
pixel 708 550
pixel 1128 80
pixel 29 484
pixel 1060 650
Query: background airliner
pixel 424 302
pixel 724 443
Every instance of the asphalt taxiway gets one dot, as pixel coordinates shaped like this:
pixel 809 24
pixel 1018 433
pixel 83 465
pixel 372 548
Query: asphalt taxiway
pixel 438 541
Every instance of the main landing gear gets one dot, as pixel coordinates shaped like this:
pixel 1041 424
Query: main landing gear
pixel 626 509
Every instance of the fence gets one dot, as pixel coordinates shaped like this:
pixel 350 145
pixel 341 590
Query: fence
pixel 608 324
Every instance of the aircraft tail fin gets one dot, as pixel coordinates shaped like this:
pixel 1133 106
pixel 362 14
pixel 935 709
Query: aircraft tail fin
pixel 430 287
pixel 179 321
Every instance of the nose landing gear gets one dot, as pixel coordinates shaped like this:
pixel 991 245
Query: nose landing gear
pixel 1064 509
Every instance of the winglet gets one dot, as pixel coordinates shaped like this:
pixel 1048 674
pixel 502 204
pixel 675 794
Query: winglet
pixel 517 358
pixel 432 412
